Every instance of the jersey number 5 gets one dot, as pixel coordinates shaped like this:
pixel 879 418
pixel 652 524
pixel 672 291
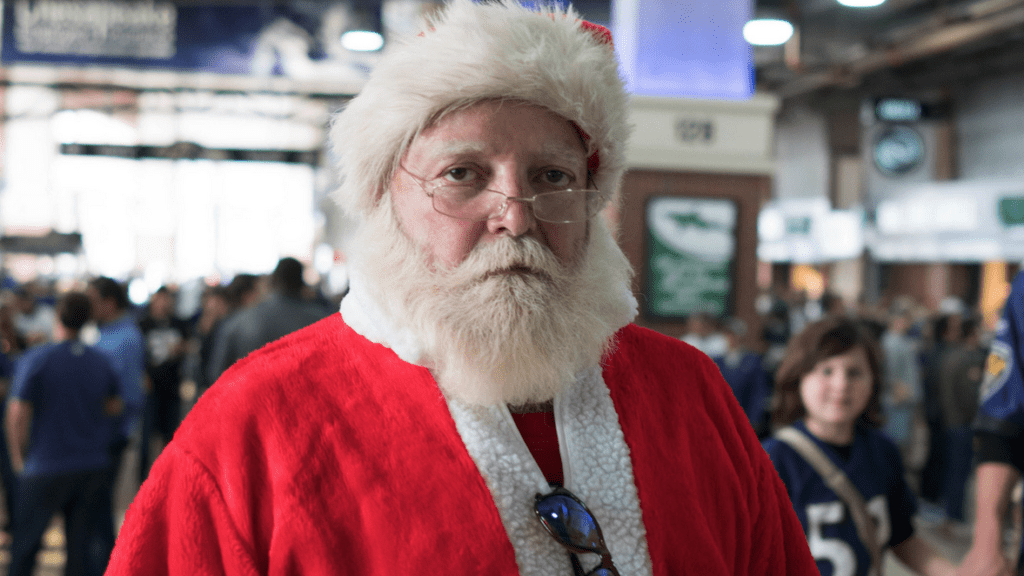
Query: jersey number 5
pixel 838 551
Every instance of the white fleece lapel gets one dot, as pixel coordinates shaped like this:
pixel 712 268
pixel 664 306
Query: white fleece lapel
pixel 595 464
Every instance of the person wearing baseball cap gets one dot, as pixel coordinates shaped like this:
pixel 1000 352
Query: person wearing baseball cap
pixel 482 404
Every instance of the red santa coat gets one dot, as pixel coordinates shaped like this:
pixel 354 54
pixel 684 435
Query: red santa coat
pixel 324 453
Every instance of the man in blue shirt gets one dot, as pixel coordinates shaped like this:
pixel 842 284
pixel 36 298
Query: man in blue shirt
pixel 60 422
pixel 122 341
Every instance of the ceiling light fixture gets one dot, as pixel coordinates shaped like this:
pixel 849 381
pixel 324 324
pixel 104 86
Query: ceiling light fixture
pixel 767 31
pixel 770 24
pixel 362 40
pixel 861 3
pixel 364 30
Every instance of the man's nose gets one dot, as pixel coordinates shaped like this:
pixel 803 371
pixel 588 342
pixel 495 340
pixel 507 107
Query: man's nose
pixel 518 217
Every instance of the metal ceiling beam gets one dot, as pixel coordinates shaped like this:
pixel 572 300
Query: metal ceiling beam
pixel 986 19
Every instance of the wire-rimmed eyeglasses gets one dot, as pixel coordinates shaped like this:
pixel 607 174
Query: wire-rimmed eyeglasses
pixel 474 202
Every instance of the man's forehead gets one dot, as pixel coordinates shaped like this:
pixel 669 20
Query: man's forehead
pixel 443 131
pixel 458 147
pixel 454 148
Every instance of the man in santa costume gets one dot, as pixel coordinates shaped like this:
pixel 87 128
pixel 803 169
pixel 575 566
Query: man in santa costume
pixel 482 404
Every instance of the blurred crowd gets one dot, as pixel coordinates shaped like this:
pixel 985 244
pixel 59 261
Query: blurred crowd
pixel 933 363
pixel 182 350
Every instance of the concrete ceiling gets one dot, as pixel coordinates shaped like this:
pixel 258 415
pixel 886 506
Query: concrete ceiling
pixel 902 47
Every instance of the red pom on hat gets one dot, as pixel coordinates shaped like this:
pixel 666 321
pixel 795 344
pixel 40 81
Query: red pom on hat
pixel 600 32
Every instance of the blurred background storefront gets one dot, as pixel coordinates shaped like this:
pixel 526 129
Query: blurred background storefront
pixel 790 158
pixel 873 153
pixel 179 142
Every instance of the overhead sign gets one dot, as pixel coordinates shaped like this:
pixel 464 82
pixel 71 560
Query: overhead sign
pixel 50 243
pixel 684 49
pixel 244 37
pixel 691 247
pixel 192 151
pixel 898 150
pixel 689 130
pixel 898 109
pixel 685 134
pixel 908 110
pixel 1011 210
pixel 110 29
pixel 969 221
pixel 808 231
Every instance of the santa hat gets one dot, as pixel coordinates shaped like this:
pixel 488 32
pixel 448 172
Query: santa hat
pixel 471 52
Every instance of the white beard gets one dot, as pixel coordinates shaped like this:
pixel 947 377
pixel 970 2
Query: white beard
pixel 510 324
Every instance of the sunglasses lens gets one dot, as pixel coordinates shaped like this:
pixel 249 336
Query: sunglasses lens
pixel 570 523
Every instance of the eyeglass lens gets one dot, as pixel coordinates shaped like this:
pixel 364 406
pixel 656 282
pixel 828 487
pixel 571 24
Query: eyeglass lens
pixel 568 520
pixel 561 206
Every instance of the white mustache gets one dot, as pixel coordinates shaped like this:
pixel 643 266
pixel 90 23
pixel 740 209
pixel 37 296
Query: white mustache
pixel 516 256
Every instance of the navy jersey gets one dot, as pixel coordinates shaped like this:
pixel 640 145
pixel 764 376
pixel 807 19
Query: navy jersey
pixel 1000 421
pixel 875 468
pixel 1001 408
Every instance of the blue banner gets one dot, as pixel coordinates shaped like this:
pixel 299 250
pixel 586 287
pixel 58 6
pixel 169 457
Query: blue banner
pixel 151 34
pixel 685 48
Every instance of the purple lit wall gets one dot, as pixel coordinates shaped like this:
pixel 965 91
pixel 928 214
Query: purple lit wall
pixel 684 48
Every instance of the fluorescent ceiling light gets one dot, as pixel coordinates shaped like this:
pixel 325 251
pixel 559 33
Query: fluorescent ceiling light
pixel 861 3
pixel 767 32
pixel 362 41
